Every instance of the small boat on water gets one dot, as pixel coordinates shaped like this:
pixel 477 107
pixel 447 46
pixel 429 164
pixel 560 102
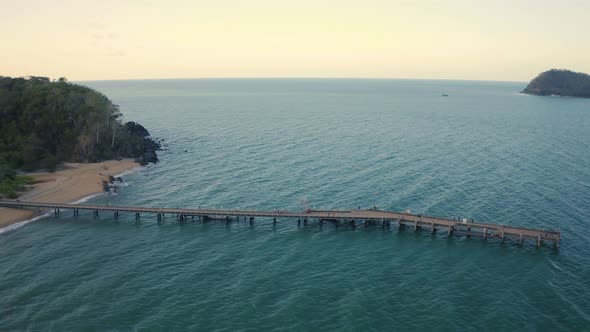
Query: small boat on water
pixel 445 95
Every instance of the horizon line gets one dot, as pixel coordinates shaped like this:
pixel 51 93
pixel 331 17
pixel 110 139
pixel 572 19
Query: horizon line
pixel 293 78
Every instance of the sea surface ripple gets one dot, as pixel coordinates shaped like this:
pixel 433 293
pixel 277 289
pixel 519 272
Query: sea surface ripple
pixel 485 152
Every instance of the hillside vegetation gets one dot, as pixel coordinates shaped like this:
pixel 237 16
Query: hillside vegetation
pixel 560 82
pixel 44 122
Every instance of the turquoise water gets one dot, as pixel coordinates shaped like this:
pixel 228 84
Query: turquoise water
pixel 485 152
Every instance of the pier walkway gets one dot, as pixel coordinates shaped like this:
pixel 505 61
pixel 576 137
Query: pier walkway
pixel 353 218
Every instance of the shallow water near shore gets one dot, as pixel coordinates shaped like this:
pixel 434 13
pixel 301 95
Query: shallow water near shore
pixel 485 152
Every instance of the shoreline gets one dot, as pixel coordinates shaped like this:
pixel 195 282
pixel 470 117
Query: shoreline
pixel 72 183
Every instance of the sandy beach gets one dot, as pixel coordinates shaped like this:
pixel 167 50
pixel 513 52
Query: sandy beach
pixel 71 182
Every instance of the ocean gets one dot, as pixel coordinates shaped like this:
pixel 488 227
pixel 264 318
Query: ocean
pixel 485 152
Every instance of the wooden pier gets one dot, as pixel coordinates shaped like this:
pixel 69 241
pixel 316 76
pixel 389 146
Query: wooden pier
pixel 353 218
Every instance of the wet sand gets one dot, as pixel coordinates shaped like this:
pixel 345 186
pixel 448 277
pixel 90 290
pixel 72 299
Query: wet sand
pixel 70 183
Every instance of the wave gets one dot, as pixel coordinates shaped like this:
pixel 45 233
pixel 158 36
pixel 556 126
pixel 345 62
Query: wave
pixel 20 224
pixel 129 171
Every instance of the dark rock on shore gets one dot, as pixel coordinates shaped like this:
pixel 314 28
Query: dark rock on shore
pixel 113 179
pixel 143 147
pixel 112 183
pixel 148 157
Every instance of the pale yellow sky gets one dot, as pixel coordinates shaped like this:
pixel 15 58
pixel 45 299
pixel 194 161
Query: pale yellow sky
pixel 133 39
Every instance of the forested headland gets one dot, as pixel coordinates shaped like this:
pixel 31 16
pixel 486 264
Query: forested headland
pixel 560 82
pixel 45 122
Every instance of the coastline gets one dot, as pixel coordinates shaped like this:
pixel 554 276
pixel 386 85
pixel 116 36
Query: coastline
pixel 71 183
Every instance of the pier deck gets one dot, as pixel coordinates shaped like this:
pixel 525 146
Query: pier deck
pixel 352 217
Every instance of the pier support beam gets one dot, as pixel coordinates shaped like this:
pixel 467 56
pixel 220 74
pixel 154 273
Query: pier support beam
pixel 458 226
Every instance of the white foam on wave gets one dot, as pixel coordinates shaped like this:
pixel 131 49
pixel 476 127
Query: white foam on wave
pixel 87 198
pixel 127 172
pixel 20 224
pixel 118 184
pixel 555 265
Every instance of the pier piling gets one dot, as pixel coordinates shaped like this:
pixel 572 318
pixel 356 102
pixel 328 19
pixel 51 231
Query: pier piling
pixel 369 217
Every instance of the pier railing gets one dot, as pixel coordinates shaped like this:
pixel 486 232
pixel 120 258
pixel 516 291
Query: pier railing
pixel 352 218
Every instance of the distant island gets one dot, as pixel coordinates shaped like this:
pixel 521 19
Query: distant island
pixel 45 123
pixel 560 82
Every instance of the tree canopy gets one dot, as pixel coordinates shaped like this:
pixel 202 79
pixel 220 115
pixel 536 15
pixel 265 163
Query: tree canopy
pixel 44 122
pixel 560 82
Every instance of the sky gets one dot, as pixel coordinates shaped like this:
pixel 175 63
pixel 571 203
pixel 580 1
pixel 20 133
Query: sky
pixel 425 39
